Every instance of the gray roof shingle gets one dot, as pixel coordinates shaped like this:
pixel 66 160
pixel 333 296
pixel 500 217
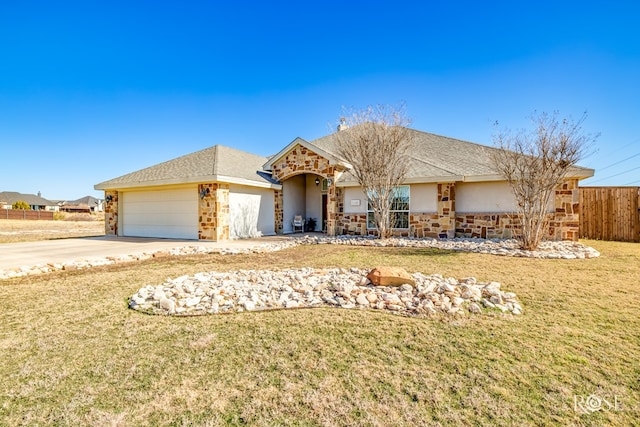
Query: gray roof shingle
pixel 437 156
pixel 213 163
pixel 10 197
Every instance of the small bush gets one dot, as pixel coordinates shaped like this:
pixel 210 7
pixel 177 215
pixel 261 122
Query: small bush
pixel 21 204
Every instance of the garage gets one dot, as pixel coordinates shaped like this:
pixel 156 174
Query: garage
pixel 171 214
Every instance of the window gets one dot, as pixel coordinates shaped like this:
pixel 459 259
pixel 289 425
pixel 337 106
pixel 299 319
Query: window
pixel 399 209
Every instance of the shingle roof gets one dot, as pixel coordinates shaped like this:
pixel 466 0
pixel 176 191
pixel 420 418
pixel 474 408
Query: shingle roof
pixel 437 157
pixel 217 163
pixel 86 200
pixel 10 197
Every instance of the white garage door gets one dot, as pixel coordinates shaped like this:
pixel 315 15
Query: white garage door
pixel 169 214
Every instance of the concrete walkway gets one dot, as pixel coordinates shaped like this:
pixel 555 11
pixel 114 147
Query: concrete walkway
pixel 16 255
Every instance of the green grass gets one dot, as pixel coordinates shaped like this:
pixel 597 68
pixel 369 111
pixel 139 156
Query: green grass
pixel 73 354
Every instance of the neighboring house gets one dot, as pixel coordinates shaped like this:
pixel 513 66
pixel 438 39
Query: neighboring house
pixel 85 204
pixel 220 193
pixel 36 202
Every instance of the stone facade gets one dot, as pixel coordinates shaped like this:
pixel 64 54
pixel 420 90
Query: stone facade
pixel 446 210
pixel 447 223
pixel 487 225
pixel 301 160
pixel 279 211
pixel 213 211
pixel 111 213
pixel 426 224
pixel 565 224
pixel 353 224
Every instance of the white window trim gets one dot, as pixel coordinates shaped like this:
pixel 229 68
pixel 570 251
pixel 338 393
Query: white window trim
pixel 408 211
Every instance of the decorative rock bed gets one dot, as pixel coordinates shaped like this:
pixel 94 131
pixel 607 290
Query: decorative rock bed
pixel 252 290
pixel 550 250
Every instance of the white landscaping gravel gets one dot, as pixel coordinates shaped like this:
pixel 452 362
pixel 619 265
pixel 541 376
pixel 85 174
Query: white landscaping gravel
pixel 253 290
pixel 551 250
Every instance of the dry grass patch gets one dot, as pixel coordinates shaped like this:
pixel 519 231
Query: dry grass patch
pixel 73 354
pixel 12 231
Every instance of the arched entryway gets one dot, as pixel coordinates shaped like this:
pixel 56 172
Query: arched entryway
pixel 297 167
pixel 305 194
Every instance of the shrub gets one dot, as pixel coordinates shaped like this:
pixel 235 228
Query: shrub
pixel 21 204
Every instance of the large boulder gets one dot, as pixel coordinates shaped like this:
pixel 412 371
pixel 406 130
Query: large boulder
pixel 390 276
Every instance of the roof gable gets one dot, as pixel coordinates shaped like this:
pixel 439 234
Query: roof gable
pixel 217 163
pixel 333 159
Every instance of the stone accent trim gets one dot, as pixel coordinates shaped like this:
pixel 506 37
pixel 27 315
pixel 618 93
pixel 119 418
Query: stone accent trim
pixel 213 212
pixel 279 211
pixel 302 160
pixel 425 225
pixel 487 225
pixel 446 210
pixel 332 207
pixel 111 213
pixel 354 224
pixel 565 224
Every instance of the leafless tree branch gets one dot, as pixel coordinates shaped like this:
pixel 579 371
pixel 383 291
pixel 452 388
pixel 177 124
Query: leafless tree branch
pixel 535 162
pixel 377 144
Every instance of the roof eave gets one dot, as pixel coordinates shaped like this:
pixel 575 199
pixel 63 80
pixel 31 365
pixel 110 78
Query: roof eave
pixel 191 180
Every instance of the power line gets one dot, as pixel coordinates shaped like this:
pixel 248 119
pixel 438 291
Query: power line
pixel 618 174
pixel 618 150
pixel 633 182
pixel 621 161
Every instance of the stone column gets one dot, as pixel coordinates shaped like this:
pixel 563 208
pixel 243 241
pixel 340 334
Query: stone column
pixel 447 210
pixel 333 194
pixel 222 212
pixel 213 211
pixel 207 223
pixel 565 224
pixel 111 213
pixel 278 211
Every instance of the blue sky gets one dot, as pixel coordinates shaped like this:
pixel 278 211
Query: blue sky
pixel 91 90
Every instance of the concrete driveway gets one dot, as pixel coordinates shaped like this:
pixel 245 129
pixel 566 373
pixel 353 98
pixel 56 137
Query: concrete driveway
pixel 16 255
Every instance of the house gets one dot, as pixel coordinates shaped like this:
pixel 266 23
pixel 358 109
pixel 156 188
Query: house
pixel 36 202
pixel 221 193
pixel 87 204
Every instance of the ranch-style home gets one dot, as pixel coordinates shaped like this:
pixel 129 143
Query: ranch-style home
pixel 222 193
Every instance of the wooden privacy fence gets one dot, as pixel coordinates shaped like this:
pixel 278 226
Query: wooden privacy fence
pixel 24 214
pixel 610 213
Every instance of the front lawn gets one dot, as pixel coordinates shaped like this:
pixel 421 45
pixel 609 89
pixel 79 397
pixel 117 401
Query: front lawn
pixel 73 354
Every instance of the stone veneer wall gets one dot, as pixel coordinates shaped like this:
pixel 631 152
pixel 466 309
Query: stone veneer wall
pixel 447 223
pixel 279 211
pixel 446 210
pixel 213 212
pixel 111 213
pixel 302 160
pixel 566 222
pixel 487 225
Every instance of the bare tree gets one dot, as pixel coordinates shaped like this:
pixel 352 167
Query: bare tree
pixel 535 162
pixel 377 144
